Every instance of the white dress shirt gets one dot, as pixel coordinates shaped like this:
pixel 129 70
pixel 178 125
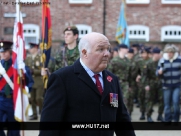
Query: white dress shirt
pixel 91 74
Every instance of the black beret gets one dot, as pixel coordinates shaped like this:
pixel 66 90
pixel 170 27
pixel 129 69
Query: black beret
pixel 130 50
pixel 32 45
pixel 146 49
pixel 115 49
pixel 5 45
pixel 136 45
pixel 156 50
pixel 122 46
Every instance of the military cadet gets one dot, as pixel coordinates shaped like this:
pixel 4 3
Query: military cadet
pixel 156 86
pixel 6 92
pixel 34 63
pixel 69 53
pixel 150 53
pixel 120 67
pixel 115 52
pixel 132 78
pixel 143 79
pixel 151 93
pixel 136 58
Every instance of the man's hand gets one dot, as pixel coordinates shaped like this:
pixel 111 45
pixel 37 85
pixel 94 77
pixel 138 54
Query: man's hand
pixel 160 71
pixel 44 71
pixel 138 78
pixel 147 88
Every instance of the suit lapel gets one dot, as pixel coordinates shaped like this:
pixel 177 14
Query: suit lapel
pixel 84 76
pixel 107 85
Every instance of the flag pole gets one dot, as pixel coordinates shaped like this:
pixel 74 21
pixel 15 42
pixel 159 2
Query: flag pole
pixel 20 73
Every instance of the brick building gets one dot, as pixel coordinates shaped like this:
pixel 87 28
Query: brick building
pixel 150 21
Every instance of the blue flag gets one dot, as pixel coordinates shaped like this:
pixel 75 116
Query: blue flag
pixel 122 34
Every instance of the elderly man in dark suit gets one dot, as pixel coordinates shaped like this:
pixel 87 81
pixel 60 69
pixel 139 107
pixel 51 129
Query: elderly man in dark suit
pixel 86 92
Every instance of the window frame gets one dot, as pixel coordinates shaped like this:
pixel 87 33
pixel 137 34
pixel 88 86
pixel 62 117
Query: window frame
pixel 171 2
pixel 37 33
pixel 80 1
pixel 137 2
pixel 89 29
pixel 170 28
pixel 145 37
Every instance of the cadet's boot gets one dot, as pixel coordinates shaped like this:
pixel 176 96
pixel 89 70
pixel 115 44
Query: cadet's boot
pixel 149 119
pixel 142 116
pixel 33 117
pixel 160 118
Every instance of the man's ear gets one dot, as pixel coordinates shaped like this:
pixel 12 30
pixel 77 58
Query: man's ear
pixel 76 36
pixel 84 52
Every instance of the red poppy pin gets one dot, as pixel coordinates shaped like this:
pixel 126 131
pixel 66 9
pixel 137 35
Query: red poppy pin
pixel 109 78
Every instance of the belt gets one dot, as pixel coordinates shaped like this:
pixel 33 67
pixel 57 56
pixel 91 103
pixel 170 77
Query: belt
pixel 3 95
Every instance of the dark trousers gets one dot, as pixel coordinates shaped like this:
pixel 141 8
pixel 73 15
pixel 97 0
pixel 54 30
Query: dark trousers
pixel 7 114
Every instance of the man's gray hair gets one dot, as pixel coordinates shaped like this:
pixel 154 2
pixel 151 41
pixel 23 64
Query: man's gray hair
pixel 83 44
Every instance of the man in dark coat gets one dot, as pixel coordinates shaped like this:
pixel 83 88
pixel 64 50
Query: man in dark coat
pixel 86 92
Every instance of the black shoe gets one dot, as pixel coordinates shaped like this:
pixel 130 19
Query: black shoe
pixel 142 116
pixel 33 117
pixel 149 119
pixel 160 118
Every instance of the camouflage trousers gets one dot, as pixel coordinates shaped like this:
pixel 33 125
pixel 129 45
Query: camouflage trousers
pixel 142 97
pixel 159 94
pixel 155 90
pixel 135 90
pixel 128 96
pixel 150 98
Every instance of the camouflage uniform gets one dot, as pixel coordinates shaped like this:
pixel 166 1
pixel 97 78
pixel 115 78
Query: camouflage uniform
pixel 136 60
pixel 132 82
pixel 155 89
pixel 120 67
pixel 64 58
pixel 144 81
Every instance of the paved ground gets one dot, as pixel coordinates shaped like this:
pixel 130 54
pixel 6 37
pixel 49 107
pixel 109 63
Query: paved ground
pixel 135 118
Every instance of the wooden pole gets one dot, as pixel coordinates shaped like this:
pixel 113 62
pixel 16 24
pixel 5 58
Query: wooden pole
pixel 21 90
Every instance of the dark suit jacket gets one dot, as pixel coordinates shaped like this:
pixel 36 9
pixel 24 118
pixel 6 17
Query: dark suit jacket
pixel 72 96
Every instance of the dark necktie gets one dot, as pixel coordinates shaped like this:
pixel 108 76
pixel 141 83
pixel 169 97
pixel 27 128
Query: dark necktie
pixel 98 83
pixel 7 87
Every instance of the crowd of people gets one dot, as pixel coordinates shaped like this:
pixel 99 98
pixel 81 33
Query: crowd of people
pixel 90 81
pixel 149 75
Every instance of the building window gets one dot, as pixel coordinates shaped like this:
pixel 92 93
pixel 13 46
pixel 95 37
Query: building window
pixel 137 1
pixel 138 33
pixel 80 1
pixel 31 34
pixel 83 29
pixel 171 1
pixel 8 30
pixel 171 33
